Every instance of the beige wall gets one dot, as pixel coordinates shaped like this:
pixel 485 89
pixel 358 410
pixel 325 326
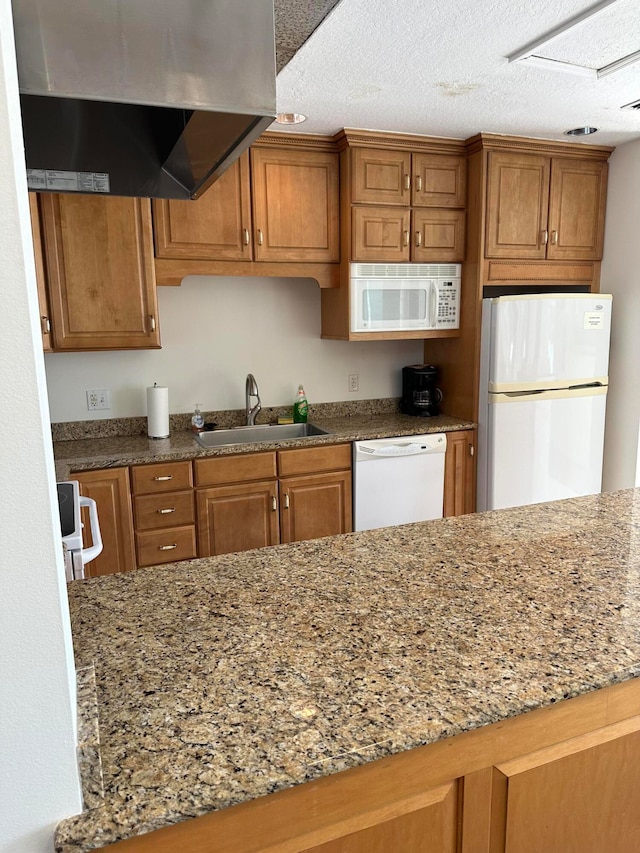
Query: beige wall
pixel 215 331
pixel 621 277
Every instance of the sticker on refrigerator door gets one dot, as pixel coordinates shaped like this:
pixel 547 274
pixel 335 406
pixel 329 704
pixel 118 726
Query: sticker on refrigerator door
pixel 593 319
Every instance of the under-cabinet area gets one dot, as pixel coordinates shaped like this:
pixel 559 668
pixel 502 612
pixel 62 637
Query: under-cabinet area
pixel 161 512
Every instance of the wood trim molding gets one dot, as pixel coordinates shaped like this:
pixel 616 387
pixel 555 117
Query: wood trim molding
pixel 171 272
pixel 351 138
pixel 554 148
pixel 540 271
pixel 300 141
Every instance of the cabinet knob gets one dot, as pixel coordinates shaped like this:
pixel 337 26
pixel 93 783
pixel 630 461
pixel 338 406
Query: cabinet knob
pixel 544 237
pixel 418 239
pixel 259 237
pixel 245 236
pixel 167 547
pixel 419 183
pixel 554 238
pixel 407 182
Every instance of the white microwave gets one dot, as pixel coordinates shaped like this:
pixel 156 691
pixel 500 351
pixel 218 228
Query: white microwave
pixel 404 297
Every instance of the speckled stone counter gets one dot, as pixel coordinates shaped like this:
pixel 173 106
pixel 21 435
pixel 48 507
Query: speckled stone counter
pixel 220 680
pixel 86 454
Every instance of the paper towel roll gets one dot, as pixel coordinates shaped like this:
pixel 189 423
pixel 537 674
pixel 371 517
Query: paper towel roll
pixel 158 412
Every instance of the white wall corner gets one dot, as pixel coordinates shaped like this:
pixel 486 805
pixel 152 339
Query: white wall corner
pixel 39 783
pixel 621 277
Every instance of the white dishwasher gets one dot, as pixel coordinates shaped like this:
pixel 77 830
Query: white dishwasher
pixel 398 480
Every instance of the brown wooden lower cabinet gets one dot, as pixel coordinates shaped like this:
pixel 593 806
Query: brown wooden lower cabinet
pixel 245 510
pixel 562 779
pixel 237 517
pixel 459 473
pixel 110 490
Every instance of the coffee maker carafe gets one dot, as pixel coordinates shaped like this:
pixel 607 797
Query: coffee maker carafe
pixel 419 393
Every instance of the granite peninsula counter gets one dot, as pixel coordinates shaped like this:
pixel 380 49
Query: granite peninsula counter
pixel 221 680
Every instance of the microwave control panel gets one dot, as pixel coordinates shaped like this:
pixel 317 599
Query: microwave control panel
pixel 448 303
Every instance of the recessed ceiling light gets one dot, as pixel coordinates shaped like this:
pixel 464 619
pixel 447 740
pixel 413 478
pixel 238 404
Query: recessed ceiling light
pixel 581 131
pixel 290 118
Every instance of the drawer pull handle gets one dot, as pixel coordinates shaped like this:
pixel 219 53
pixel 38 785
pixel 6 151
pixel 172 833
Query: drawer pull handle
pixel 407 182
pixel 274 504
pixel 286 501
pixel 259 237
pixel 165 511
pixel 418 239
pixel 554 238
pixel 544 237
pixel 167 547
pixel 163 479
pixel 419 183
pixel 245 236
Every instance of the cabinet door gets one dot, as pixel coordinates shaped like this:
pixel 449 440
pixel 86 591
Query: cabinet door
pixel 43 298
pixel 380 176
pixel 237 518
pixel 110 490
pixel 99 260
pixel 517 205
pixel 459 473
pixel 438 235
pixel 295 205
pixel 428 824
pixel 314 506
pixel 576 210
pixel 380 234
pixel 439 181
pixel 217 226
pixel 579 796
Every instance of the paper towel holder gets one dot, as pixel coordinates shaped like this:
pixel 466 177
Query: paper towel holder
pixel 158 412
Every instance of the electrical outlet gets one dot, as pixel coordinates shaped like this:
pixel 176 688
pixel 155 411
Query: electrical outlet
pixel 100 399
pixel 353 382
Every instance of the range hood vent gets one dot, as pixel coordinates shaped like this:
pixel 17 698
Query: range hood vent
pixel 151 98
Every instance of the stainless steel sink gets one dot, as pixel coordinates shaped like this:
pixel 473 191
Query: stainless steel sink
pixel 256 434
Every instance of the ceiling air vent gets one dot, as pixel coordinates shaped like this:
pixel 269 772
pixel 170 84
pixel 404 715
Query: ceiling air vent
pixel 634 105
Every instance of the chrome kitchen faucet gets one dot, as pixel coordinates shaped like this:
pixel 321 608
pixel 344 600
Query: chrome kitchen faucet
pixel 251 390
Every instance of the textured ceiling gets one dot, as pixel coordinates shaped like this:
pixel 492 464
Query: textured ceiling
pixel 439 67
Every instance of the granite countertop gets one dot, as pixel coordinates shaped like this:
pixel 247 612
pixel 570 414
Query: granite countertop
pixel 87 454
pixel 223 679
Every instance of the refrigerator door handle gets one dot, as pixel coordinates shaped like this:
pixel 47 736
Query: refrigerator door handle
pixel 587 385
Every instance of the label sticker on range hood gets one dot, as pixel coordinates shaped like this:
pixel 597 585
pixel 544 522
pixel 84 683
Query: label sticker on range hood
pixel 65 182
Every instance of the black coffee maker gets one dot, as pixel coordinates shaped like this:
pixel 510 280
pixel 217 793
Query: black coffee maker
pixel 419 393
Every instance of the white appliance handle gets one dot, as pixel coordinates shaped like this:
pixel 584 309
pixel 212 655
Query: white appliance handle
pixel 433 304
pixel 91 553
pixel 395 450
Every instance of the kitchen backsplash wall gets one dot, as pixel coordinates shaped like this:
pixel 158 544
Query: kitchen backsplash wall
pixel 216 330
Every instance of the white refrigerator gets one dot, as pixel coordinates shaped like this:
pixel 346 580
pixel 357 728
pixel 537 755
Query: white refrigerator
pixel 543 392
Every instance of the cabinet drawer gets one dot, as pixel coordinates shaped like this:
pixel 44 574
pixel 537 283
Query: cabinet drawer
pixel 309 460
pixel 163 477
pixel 166 510
pixel 235 469
pixel 166 546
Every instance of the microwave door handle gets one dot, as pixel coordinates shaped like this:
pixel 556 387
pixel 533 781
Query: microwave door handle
pixel 92 552
pixel 433 304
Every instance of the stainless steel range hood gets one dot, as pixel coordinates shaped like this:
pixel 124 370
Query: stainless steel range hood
pixel 151 98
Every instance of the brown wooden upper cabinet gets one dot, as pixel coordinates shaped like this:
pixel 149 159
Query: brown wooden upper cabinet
pixel 541 207
pixel 415 197
pixel 216 226
pixel 380 176
pixel 276 205
pixel 100 278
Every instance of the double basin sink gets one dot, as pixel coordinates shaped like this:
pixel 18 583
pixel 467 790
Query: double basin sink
pixel 257 434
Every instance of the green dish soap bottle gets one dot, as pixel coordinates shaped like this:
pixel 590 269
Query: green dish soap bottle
pixel 300 407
